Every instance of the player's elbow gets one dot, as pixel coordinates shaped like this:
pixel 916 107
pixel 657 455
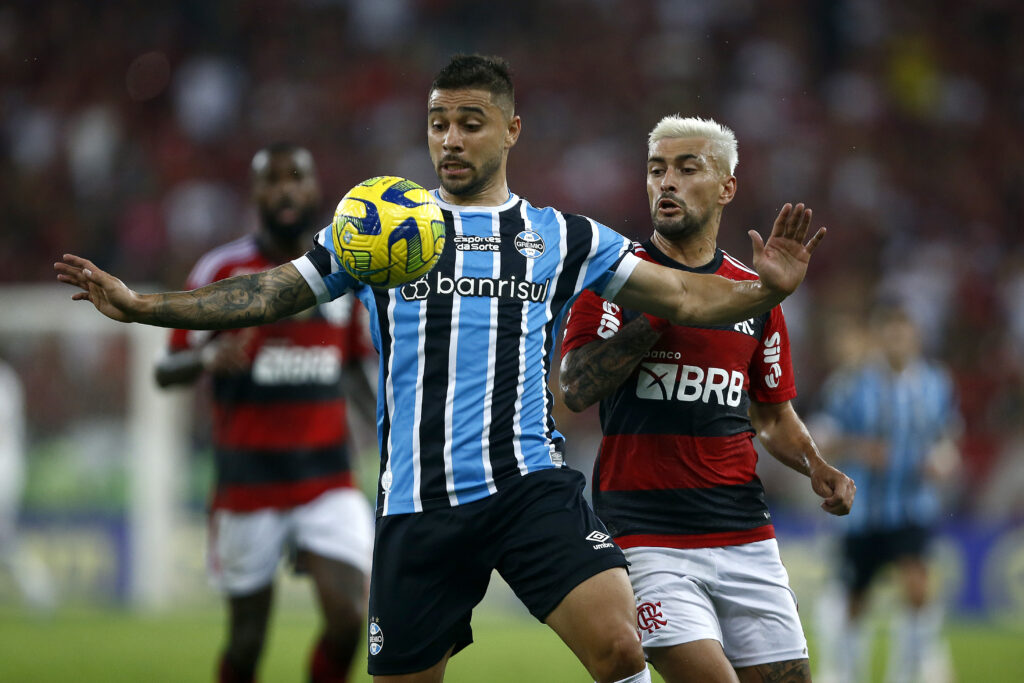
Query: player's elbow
pixel 573 402
pixel 572 397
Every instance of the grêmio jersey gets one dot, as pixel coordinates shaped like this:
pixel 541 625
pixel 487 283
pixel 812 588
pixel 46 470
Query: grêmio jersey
pixel 677 465
pixel 465 351
pixel 279 429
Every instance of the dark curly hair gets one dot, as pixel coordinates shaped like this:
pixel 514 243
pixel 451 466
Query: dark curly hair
pixel 481 72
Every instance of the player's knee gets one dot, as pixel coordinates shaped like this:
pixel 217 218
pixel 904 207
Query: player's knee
pixel 344 617
pixel 620 657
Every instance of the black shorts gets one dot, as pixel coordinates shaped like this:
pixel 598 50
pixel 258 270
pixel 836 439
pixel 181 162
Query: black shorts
pixel 867 553
pixel 430 569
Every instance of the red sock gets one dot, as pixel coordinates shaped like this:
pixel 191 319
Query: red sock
pixel 226 674
pixel 323 668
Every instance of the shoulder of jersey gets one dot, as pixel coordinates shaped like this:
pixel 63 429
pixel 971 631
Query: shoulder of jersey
pixel 735 269
pixel 210 266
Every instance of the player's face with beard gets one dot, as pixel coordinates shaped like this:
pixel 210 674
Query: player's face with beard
pixel 684 186
pixel 468 136
pixel 286 193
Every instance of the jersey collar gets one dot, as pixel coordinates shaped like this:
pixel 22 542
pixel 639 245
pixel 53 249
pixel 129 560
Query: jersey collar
pixel 508 204
pixel 658 255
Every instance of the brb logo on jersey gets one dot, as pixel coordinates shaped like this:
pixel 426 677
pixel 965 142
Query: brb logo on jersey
pixel 687 383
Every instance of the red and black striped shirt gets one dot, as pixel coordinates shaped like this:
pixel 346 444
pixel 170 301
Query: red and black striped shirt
pixel 677 465
pixel 280 430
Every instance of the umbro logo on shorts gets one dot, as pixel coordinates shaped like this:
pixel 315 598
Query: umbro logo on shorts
pixel 601 539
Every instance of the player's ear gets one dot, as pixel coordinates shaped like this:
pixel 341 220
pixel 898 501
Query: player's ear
pixel 515 126
pixel 728 190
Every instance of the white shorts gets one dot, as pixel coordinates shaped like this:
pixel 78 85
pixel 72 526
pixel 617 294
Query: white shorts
pixel 738 595
pixel 246 547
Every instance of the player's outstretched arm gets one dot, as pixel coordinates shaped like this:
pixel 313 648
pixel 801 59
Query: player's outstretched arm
pixel 688 298
pixel 240 301
pixel 784 435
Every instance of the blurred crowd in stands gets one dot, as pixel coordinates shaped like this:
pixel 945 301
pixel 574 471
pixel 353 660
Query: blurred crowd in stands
pixel 126 129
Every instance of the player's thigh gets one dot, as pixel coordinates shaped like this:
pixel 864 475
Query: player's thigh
pixel 595 612
pixel 430 569
pixel 244 549
pixel 696 661
pixel 551 541
pixel 790 671
pixel 340 587
pixel 248 616
pixel 336 525
pixel 756 608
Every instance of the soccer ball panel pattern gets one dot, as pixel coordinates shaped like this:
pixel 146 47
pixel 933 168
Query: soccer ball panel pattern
pixel 388 231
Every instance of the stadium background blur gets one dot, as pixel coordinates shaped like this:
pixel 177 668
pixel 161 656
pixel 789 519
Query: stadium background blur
pixel 126 129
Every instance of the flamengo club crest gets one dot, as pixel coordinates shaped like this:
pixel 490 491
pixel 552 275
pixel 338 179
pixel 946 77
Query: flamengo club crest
pixel 529 243
pixel 649 617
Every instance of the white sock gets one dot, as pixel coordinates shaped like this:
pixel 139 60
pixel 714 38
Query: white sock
pixel 914 637
pixel 855 654
pixel 639 677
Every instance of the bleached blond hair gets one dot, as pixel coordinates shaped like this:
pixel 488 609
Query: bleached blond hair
pixel 723 140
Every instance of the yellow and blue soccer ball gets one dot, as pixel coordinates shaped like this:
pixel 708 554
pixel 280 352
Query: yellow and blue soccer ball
pixel 388 231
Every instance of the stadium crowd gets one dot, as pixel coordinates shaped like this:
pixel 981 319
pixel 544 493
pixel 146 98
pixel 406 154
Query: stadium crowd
pixel 126 129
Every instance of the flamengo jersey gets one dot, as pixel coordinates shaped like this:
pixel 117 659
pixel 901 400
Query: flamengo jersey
pixel 677 463
pixel 465 351
pixel 280 429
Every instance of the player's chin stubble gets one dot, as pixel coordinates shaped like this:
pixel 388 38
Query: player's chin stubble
pixel 473 185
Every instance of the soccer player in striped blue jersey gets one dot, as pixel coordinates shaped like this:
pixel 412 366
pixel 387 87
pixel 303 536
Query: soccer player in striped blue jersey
pixel 472 478
pixel 894 419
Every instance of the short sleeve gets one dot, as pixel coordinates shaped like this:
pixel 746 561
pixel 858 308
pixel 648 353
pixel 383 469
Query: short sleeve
pixel 322 271
pixel 358 342
pixel 591 318
pixel 611 262
pixel 771 369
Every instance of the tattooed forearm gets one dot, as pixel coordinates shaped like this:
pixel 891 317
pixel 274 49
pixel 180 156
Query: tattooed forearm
pixel 592 372
pixel 240 301
pixel 791 671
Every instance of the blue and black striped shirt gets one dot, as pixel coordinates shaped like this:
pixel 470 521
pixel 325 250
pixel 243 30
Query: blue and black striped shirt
pixel 465 351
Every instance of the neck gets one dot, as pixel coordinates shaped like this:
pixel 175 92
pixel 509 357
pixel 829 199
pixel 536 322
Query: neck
pixel 282 250
pixel 897 363
pixel 692 251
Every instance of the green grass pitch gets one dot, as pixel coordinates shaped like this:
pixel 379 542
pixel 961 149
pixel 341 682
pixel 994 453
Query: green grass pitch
pixel 115 646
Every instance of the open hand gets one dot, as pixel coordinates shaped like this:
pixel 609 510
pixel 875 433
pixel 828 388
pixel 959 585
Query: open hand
pixel 781 262
pixel 109 295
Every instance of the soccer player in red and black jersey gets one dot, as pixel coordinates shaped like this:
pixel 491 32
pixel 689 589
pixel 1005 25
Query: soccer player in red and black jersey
pixel 284 483
pixel 675 479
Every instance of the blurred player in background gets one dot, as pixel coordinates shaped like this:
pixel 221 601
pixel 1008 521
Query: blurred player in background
pixel 284 480
pixel 893 419
pixel 29 574
pixel 472 477
pixel 675 481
